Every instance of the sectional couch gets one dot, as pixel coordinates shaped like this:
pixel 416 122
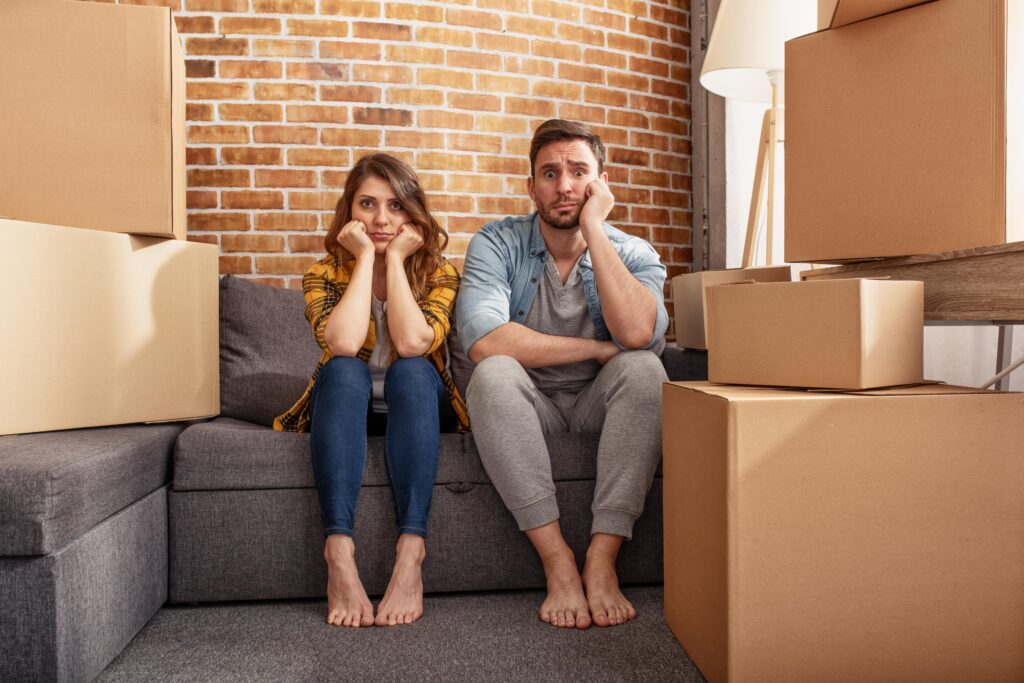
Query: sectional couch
pixel 100 527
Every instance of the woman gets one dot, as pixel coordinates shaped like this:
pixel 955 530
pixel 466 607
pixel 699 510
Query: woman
pixel 380 306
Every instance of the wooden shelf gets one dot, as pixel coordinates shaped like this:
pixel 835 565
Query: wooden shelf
pixel 985 284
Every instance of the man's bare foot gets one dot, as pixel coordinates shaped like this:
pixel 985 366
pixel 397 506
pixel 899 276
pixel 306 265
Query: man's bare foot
pixel 347 603
pixel 403 600
pixel 608 606
pixel 566 605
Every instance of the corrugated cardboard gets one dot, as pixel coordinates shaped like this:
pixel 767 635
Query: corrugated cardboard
pixel 92 131
pixel 829 537
pixel 103 328
pixel 688 297
pixel 848 334
pixel 897 144
pixel 836 13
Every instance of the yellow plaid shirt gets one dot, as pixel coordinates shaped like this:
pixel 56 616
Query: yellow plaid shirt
pixel 323 285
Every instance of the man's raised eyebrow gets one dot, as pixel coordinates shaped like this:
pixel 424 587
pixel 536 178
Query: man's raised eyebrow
pixel 570 162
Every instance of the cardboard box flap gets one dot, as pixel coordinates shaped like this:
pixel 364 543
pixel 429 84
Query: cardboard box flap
pixel 734 392
pixel 850 11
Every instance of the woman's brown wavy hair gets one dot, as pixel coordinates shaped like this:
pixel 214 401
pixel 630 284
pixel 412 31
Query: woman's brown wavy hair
pixel 403 181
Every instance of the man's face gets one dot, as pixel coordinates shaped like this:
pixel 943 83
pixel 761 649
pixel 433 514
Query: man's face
pixel 561 174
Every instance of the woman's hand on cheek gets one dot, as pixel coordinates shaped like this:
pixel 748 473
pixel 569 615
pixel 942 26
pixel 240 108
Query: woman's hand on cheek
pixel 355 240
pixel 407 242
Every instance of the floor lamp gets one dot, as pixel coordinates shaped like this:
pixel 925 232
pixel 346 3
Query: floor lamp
pixel 745 60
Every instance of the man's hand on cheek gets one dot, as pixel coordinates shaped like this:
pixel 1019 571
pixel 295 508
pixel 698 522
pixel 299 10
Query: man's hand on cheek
pixel 597 205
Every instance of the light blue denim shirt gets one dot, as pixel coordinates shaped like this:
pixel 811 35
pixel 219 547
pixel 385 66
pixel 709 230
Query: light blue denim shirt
pixel 504 264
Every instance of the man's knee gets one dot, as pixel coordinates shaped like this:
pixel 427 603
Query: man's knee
pixel 638 367
pixel 494 375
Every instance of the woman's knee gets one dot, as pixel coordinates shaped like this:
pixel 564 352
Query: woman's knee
pixel 409 378
pixel 345 371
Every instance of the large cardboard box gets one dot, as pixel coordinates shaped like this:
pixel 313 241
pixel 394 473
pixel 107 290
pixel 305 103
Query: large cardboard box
pixel 849 334
pixel 102 328
pixel 897 144
pixel 834 537
pixel 836 13
pixel 92 130
pixel 689 300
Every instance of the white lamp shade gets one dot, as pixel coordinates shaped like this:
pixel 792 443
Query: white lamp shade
pixel 748 41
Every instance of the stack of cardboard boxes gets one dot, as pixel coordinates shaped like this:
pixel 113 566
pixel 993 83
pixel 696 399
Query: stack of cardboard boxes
pixel 109 314
pixel 828 515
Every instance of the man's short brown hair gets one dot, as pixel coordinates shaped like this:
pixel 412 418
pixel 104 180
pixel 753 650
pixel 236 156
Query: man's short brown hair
pixel 556 130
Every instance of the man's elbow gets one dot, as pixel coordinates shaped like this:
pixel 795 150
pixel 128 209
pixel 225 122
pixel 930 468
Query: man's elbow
pixel 637 338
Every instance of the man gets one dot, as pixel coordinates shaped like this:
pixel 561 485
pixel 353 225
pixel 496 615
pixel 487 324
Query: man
pixel 564 316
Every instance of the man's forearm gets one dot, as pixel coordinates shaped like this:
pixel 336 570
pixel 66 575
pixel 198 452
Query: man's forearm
pixel 628 307
pixel 535 349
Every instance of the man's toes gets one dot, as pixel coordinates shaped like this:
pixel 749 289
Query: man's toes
pixel 545 616
pixel 601 618
pixel 583 620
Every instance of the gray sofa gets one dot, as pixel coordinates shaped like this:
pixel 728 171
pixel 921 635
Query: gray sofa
pixel 100 527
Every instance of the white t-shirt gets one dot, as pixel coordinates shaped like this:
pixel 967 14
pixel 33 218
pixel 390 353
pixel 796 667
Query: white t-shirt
pixel 380 358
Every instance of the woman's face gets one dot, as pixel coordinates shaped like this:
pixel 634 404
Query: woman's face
pixel 376 205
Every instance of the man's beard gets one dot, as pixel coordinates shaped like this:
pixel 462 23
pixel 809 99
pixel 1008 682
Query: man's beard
pixel 562 221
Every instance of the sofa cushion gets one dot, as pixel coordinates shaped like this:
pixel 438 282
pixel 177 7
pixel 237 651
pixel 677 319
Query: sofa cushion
pixel 55 486
pixel 228 454
pixel 267 352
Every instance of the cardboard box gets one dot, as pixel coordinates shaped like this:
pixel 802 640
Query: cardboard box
pixel 847 334
pixel 836 13
pixel 689 302
pixel 102 328
pixel 898 145
pixel 92 131
pixel 834 537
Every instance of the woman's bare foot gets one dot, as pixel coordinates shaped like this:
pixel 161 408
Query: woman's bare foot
pixel 403 600
pixel 347 603
pixel 565 605
pixel 608 606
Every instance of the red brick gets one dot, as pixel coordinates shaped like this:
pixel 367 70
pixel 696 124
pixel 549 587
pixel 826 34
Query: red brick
pixel 201 199
pixel 320 28
pixel 333 179
pixel 349 93
pixel 381 117
pixel 443 203
pixel 218 221
pixel 474 101
pixel 500 42
pixel 445 36
pixel 674 89
pixel 268 178
pixel 194 24
pixel 201 156
pixel 216 91
pixel 640 214
pixel 575 72
pixel 444 161
pixel 444 119
pixel 649 140
pixel 656 105
pixel 250 70
pixel 628 119
pixel 579 112
pixel 217 46
pixel 668 16
pixel 411 54
pixel 419 96
pixel 199 68
pixel 381 31
pixel 284 6
pixel 250 112
pixel 288 221
pixel 284 265
pixel 648 66
pixel 475 143
pixel 670 162
pixel 478 184
pixel 647 28
pixel 202 239
pixel 520 6
pixel 507 206
pixel 252 200
pixel 414 11
pixel 283 48
pixel 285 91
pixel 256 156
pixel 525 65
pixel 313 201
pixel 474 19
pixel 318 157
pixel 350 137
pixel 530 107
pixel 376 73
pixel 260 243
pixel 670 125
pixel 557 90
pixel 414 139
pixel 627 194
pixel 614 98
pixel 671 53
pixel 530 26
pixel 250 25
pixel 630 157
pixel 316 113
pixel 350 8
pixel 504 164
pixel 652 178
pixel 316 71
pixel 677 200
pixel 235 265
pixel 306 244
pixel 465 223
pixel 581 34
pixel 606 19
pixel 285 135
pixel 340 50
pixel 617 41
pixel 451 79
pixel 216 5
pixel 505 85
pixel 556 10
pixel 198 177
pixel 557 50
pixel 218 134
pixel 629 82
pixel 198 112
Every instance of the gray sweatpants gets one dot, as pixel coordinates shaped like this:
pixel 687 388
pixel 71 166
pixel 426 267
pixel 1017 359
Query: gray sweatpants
pixel 510 417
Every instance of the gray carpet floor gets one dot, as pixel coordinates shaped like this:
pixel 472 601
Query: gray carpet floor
pixel 461 637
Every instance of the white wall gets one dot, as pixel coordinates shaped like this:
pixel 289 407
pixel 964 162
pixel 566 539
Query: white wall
pixel 956 354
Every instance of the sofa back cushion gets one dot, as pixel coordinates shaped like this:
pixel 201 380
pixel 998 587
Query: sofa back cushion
pixel 267 352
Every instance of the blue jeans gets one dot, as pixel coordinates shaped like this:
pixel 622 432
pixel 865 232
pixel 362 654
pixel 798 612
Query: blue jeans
pixel 418 409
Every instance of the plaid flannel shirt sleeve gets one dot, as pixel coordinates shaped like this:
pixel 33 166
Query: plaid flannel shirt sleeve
pixel 322 288
pixel 438 305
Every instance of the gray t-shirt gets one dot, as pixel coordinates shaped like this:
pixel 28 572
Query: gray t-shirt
pixel 562 310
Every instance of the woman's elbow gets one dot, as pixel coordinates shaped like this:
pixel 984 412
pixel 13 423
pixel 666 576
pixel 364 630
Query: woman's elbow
pixel 342 347
pixel 410 348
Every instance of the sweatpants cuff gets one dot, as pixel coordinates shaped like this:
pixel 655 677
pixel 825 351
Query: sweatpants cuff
pixel 617 522
pixel 543 511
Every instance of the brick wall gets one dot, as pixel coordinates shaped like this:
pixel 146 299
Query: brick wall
pixel 284 95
